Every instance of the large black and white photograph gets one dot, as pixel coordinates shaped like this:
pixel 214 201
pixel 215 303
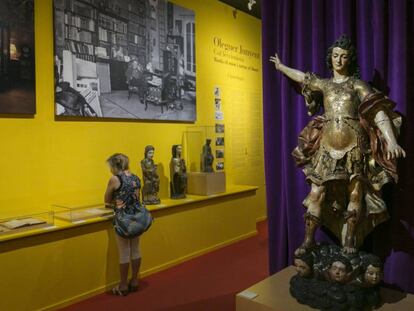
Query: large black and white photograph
pixel 17 64
pixel 128 59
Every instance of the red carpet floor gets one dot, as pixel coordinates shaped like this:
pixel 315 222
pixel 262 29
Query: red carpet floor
pixel 206 283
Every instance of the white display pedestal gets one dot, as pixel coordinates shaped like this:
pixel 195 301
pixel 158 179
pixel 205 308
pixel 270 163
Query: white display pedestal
pixel 206 183
pixel 273 295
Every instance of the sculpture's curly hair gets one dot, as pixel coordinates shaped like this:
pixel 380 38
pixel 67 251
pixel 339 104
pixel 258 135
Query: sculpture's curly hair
pixel 369 259
pixel 338 257
pixel 148 149
pixel 344 42
pixel 307 258
pixel 174 150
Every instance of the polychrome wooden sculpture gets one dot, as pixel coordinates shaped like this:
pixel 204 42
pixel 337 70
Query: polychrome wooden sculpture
pixel 150 177
pixel 178 174
pixel 348 154
pixel 207 158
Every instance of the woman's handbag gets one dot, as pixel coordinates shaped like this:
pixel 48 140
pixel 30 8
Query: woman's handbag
pixel 129 226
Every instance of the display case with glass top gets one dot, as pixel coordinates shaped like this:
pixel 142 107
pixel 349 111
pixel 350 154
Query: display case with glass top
pixel 75 213
pixel 199 147
pixel 21 221
pixel 204 171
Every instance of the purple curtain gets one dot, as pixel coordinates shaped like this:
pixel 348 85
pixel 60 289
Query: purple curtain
pixel 300 31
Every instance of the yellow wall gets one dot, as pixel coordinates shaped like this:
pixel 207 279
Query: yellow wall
pixel 45 161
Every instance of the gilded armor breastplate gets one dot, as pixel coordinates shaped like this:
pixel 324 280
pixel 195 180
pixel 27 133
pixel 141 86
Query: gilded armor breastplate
pixel 342 130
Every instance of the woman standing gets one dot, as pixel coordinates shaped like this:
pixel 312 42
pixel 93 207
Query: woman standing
pixel 122 192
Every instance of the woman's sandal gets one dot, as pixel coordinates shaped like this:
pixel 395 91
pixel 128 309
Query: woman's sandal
pixel 133 288
pixel 117 292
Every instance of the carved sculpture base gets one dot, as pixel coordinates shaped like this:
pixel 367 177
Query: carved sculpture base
pixel 329 279
pixel 324 295
pixel 178 196
pixel 206 183
pixel 273 295
pixel 151 201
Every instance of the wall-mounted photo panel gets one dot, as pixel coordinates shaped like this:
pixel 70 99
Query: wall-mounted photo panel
pixel 220 166
pixel 219 115
pixel 17 57
pixel 219 141
pixel 217 92
pixel 219 128
pixel 219 154
pixel 217 104
pixel 129 59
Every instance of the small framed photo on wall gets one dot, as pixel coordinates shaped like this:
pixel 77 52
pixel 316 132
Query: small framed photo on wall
pixel 219 141
pixel 219 154
pixel 220 166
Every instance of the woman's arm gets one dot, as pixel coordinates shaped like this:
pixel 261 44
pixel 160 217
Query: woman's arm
pixel 294 74
pixel 113 184
pixel 137 194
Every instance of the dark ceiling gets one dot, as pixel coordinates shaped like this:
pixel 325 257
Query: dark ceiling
pixel 242 5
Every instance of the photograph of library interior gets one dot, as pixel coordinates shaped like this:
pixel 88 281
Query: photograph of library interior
pixel 127 59
pixel 206 155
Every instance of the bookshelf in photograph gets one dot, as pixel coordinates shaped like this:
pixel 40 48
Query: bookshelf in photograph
pixel 104 32
pixel 101 29
pixel 112 35
pixel 80 29
pixel 138 29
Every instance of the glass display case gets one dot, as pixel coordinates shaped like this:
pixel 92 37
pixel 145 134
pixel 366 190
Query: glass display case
pixel 74 213
pixel 195 138
pixel 204 156
pixel 13 224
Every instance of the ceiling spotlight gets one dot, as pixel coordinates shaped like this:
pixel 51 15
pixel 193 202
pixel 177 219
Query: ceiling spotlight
pixel 250 4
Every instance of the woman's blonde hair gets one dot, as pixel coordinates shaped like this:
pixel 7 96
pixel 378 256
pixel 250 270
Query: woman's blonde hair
pixel 118 161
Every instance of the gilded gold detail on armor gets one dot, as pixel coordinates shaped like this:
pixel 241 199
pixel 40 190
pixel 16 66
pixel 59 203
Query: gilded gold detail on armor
pixel 342 130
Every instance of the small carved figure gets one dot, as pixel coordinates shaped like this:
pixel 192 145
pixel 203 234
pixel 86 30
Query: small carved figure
pixel 178 174
pixel 150 176
pixel 371 274
pixel 304 265
pixel 339 271
pixel 207 158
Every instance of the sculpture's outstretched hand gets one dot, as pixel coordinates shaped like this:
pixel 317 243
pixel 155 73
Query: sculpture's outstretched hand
pixel 291 73
pixel 275 59
pixel 394 151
